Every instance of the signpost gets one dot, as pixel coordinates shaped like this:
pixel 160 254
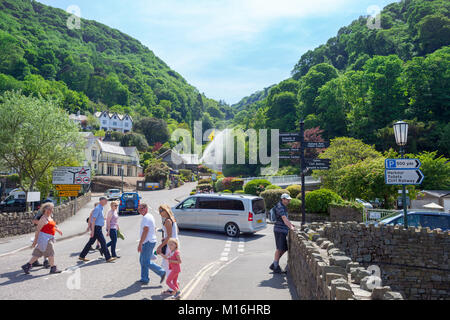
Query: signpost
pixel 318 164
pixel 68 187
pixel 402 164
pixel 404 177
pixel 305 164
pixel 72 175
pixel 68 193
pixel 320 145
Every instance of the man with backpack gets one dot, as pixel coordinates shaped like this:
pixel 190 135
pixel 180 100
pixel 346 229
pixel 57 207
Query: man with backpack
pixel 282 225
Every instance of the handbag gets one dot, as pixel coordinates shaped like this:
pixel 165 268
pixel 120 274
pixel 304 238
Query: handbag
pixel 120 235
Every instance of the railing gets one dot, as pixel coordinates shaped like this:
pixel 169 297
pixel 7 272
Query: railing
pixel 376 215
pixel 118 161
pixel 290 179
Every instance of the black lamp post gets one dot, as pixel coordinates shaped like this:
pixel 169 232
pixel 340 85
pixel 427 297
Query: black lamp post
pixel 401 138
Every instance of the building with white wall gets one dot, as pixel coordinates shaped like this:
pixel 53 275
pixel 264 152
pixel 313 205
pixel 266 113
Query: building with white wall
pixel 112 121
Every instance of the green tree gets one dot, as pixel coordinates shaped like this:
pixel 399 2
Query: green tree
pixel 35 136
pixel 436 170
pixel 343 152
pixel 154 130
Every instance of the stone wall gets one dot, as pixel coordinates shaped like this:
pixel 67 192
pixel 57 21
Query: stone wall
pixel 310 217
pixel 345 214
pixel 412 261
pixel 17 223
pixel 322 272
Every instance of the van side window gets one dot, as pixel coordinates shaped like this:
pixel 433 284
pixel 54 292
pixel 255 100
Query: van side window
pixel 208 203
pixel 236 205
pixel 434 222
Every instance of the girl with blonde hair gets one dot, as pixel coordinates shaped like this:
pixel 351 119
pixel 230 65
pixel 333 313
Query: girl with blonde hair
pixel 170 230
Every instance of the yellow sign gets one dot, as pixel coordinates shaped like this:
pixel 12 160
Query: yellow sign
pixel 68 187
pixel 68 193
pixel 212 135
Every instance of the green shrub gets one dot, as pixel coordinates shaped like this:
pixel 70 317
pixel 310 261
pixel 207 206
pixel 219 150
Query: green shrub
pixel 272 197
pixel 255 187
pixel 273 187
pixel 227 191
pixel 192 193
pixel 205 181
pixel 237 184
pixel 295 190
pixel 295 206
pixel 348 204
pixel 204 187
pixel 318 201
pixel 239 192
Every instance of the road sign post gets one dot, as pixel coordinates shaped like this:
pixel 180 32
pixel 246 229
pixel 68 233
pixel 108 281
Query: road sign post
pixel 302 168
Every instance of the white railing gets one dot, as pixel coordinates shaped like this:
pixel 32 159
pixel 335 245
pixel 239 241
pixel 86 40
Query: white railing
pixel 290 179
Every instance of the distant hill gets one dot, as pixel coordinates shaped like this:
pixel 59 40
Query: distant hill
pixel 94 67
pixel 255 97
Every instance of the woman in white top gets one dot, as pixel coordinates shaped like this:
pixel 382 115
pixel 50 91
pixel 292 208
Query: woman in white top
pixel 170 230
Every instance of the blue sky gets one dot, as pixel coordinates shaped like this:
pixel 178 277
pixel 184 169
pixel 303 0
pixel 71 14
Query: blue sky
pixel 228 49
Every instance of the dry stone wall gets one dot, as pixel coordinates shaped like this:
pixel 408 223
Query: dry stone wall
pixel 413 261
pixel 322 272
pixel 17 223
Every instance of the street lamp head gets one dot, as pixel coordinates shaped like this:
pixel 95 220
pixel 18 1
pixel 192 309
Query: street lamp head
pixel 401 133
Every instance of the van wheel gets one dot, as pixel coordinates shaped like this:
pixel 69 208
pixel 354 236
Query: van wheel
pixel 232 230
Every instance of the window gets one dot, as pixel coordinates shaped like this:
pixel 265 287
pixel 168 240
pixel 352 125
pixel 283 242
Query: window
pixel 227 204
pixel 209 203
pixel 114 123
pixel 104 122
pixel 434 222
pixel 188 203
pixel 258 206
pixel 126 124
pixel 110 171
pixel 94 154
pixel 413 221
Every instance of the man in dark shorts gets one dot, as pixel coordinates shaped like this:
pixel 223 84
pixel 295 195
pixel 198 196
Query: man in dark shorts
pixel 281 229
pixel 36 219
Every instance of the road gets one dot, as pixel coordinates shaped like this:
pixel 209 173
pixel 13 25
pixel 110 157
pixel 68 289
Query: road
pixel 214 266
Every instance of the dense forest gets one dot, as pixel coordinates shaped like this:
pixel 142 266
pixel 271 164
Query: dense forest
pixel 94 68
pixel 363 80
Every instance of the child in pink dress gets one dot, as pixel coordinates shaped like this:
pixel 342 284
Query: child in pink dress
pixel 174 266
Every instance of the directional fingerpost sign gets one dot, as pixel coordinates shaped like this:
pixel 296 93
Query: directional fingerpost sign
pixel 318 164
pixel 402 164
pixel 72 175
pixel 320 145
pixel 404 177
pixel 289 137
pixel 290 150
pixel 289 157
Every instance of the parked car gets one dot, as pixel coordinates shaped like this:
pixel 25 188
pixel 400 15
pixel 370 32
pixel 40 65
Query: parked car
pixel 232 214
pixel 17 205
pixel 112 194
pixel 129 202
pixel 424 219
pixel 366 204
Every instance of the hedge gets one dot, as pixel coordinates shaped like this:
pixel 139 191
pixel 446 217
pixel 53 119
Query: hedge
pixel 237 184
pixel 295 190
pixel 272 197
pixel 239 192
pixel 204 181
pixel 348 204
pixel 204 187
pixel 295 206
pixel 256 186
pixel 273 187
pixel 227 191
pixel 318 201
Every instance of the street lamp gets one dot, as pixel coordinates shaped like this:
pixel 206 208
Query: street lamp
pixel 401 138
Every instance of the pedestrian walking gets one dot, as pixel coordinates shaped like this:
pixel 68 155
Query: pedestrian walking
pixel 88 220
pixel 35 221
pixel 112 227
pixel 174 261
pixel 44 239
pixel 97 223
pixel 170 230
pixel 147 244
pixel 281 229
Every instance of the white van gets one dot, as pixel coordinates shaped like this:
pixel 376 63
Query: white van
pixel 219 212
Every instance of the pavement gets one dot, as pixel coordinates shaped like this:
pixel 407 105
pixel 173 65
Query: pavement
pixel 213 265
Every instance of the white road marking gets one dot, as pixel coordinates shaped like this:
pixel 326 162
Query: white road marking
pixel 224 259
pixel 226 249
pixel 224 254
pixel 217 271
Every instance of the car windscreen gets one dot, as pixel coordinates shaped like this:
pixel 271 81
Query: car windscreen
pixel 258 206
pixel 114 191
pixel 128 196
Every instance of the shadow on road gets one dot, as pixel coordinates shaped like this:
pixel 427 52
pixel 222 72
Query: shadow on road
pixel 19 276
pixel 132 289
pixel 280 281
pixel 217 235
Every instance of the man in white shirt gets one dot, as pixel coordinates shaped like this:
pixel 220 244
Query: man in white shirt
pixel 147 245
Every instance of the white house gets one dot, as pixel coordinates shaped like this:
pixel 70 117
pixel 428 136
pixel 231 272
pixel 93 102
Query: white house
pixel 109 159
pixel 112 121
